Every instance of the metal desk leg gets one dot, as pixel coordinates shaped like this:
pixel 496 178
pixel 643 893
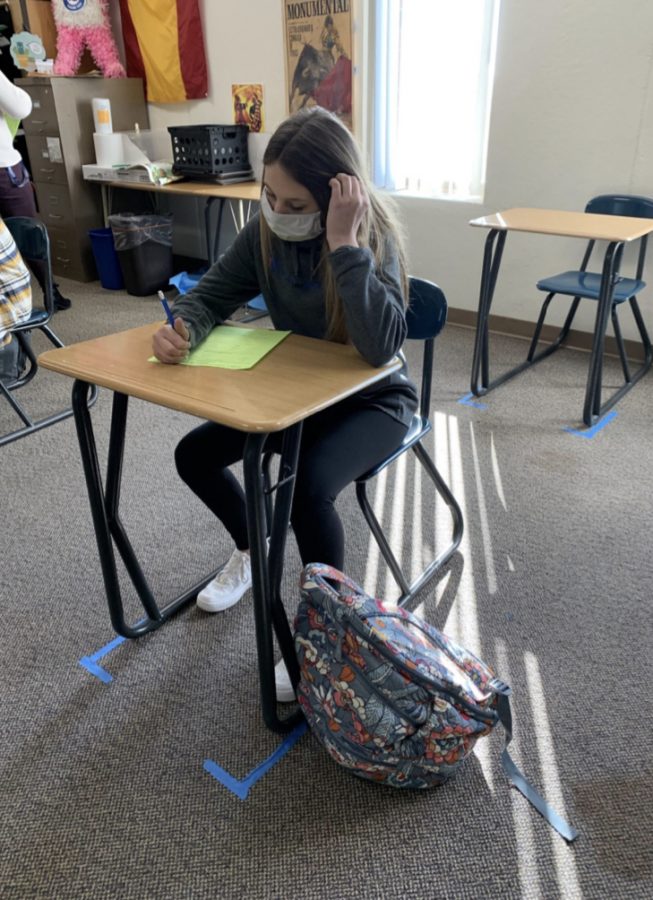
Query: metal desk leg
pixel 284 488
pixel 592 409
pixel 105 192
pixel 481 381
pixel 212 240
pixel 241 215
pixel 266 570
pixel 106 519
pixel 491 263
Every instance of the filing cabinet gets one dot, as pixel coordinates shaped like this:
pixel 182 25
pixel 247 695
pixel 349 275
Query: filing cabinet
pixel 59 138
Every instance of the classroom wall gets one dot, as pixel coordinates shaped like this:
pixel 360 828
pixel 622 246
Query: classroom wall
pixel 572 116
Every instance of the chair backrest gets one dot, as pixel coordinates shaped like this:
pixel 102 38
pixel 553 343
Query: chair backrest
pixel 621 205
pixel 427 309
pixel 31 237
pixel 426 316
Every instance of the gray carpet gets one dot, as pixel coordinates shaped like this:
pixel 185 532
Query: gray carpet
pixel 104 791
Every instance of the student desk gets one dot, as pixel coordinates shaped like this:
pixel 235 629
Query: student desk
pixel 301 376
pixel 615 230
pixel 245 191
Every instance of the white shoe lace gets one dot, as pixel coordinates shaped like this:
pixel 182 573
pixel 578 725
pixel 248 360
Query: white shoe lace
pixel 236 571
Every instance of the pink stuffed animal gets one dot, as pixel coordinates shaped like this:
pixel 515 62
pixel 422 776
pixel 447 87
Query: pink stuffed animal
pixel 85 23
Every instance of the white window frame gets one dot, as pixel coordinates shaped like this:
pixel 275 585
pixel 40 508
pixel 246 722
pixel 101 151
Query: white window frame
pixel 450 158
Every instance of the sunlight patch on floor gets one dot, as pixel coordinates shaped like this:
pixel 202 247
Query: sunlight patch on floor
pixel 416 548
pixel 462 623
pixel 497 473
pixel 522 814
pixel 441 453
pixel 565 862
pixel 396 531
pixel 373 553
pixel 483 516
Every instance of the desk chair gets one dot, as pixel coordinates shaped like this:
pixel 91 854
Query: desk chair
pixel 252 310
pixel 581 284
pixel 32 240
pixel 255 309
pixel 426 316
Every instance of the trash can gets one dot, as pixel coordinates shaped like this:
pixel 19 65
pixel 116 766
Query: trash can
pixel 144 248
pixel 106 259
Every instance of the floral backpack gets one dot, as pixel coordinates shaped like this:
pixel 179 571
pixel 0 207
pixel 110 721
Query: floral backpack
pixel 390 697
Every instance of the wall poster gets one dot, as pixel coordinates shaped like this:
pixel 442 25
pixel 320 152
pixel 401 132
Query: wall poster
pixel 318 36
pixel 248 105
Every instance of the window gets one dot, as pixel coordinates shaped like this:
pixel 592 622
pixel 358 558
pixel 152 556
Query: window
pixel 434 68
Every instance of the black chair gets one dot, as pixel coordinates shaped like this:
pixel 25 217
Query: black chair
pixel 581 284
pixel 426 316
pixel 32 240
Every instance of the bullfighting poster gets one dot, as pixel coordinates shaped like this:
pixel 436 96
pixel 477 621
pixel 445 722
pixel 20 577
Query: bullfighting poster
pixel 248 105
pixel 318 55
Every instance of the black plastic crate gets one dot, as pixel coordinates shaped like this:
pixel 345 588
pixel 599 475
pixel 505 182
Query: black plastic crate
pixel 209 149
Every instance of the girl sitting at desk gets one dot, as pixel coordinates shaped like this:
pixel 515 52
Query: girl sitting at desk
pixel 326 254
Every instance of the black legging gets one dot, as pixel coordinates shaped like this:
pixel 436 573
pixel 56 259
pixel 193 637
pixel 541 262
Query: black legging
pixel 338 445
pixel 17 199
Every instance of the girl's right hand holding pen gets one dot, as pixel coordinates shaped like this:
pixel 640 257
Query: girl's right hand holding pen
pixel 171 345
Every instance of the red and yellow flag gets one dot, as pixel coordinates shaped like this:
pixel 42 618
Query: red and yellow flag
pixel 164 45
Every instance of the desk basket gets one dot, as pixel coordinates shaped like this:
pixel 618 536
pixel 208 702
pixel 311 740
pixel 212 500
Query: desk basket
pixel 201 150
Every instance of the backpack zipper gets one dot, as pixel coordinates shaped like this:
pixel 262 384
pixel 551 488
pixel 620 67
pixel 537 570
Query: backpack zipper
pixel 338 656
pixel 389 703
pixel 486 715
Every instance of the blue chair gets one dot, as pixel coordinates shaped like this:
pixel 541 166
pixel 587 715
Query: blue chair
pixel 581 284
pixel 32 240
pixel 426 316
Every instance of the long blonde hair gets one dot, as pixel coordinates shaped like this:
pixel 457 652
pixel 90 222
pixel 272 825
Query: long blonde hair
pixel 312 146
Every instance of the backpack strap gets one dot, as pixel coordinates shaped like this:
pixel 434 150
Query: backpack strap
pixel 516 778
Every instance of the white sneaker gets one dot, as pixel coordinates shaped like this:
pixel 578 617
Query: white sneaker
pixel 229 585
pixel 283 684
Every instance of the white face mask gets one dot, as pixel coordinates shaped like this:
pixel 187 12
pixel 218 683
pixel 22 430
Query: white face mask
pixel 289 226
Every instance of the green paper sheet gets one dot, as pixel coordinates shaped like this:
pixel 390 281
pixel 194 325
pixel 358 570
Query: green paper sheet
pixel 12 125
pixel 230 347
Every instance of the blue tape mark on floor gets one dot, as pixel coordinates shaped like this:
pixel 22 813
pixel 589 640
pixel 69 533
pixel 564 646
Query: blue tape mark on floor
pixel 467 401
pixel 241 788
pixel 590 432
pixel 90 662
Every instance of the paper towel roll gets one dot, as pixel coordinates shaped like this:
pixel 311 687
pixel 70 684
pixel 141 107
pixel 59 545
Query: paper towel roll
pixel 102 115
pixel 109 149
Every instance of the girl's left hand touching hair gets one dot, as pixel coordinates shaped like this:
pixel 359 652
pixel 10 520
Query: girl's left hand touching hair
pixel 347 208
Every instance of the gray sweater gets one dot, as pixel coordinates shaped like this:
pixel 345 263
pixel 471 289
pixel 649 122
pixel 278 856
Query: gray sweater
pixel 372 301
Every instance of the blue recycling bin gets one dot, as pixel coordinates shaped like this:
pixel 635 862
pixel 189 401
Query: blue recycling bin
pixel 106 259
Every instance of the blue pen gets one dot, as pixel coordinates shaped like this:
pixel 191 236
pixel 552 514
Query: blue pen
pixel 164 303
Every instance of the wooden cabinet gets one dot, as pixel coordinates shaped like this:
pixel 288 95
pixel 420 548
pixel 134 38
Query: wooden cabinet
pixel 59 138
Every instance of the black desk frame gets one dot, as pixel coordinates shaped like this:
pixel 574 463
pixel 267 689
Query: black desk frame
pixel 267 567
pixel 213 246
pixel 593 409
